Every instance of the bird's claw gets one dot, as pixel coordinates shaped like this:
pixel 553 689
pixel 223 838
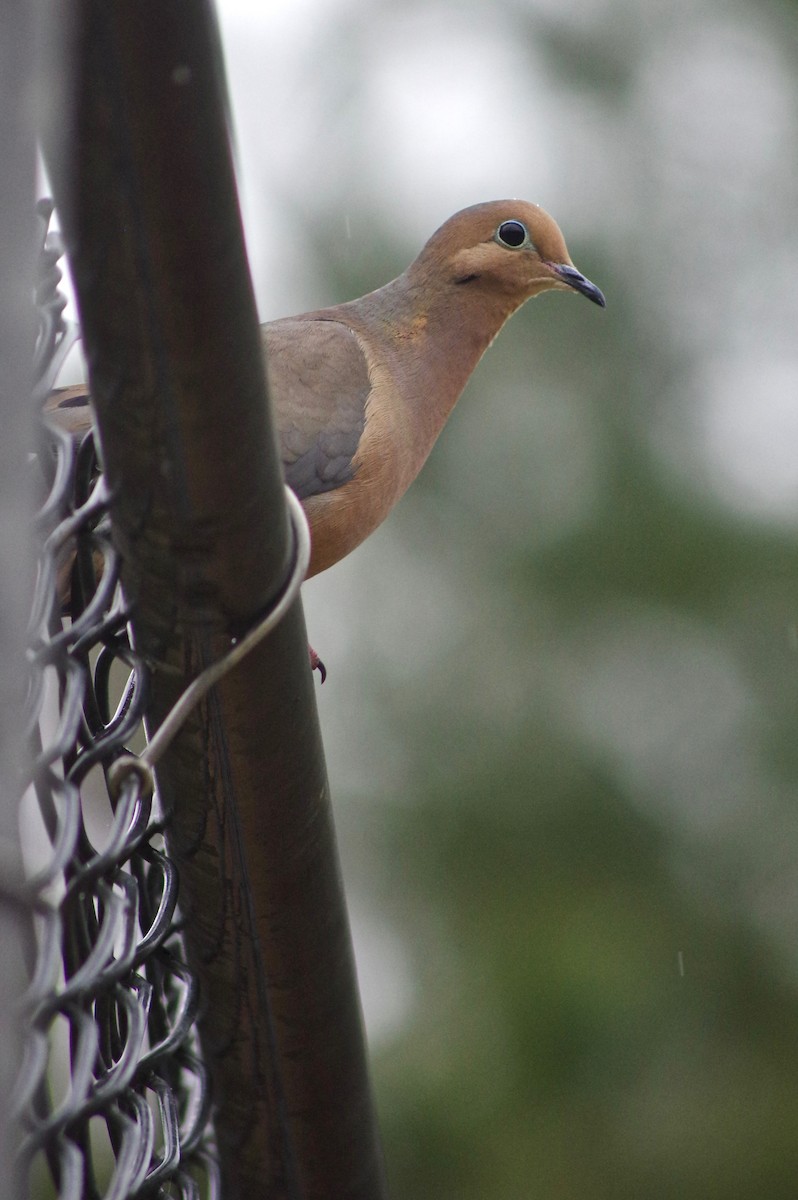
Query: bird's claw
pixel 316 664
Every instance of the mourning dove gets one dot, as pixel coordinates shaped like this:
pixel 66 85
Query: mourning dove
pixel 361 390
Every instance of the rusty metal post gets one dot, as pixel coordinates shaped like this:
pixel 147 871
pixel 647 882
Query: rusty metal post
pixel 144 185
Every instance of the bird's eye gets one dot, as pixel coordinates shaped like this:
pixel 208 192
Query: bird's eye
pixel 512 234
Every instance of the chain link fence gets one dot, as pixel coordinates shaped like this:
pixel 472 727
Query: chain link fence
pixel 114 1098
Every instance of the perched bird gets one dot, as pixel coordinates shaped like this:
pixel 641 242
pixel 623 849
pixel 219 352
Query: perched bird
pixel 361 390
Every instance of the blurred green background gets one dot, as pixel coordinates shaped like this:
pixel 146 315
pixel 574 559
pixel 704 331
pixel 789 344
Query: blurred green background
pixel 561 712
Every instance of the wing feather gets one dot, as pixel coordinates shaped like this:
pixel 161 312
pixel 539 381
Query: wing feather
pixel 319 385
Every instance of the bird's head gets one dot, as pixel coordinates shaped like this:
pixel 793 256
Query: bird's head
pixel 509 248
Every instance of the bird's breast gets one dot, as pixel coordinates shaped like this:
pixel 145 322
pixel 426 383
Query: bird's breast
pixel 390 454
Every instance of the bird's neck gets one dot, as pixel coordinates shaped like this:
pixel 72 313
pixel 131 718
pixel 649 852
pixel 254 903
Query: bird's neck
pixel 437 335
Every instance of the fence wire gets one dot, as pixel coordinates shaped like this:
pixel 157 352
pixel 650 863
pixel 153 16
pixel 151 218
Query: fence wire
pixel 113 1094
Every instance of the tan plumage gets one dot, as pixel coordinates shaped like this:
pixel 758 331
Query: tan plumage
pixel 361 390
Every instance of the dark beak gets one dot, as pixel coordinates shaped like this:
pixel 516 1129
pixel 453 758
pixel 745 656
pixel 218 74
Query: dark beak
pixel 577 281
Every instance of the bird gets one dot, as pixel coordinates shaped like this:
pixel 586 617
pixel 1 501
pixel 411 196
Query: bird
pixel 361 390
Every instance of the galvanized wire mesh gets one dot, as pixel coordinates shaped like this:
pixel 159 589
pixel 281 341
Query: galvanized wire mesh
pixel 113 1094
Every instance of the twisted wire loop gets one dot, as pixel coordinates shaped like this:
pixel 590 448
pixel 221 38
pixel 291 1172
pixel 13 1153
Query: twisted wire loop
pixel 112 1095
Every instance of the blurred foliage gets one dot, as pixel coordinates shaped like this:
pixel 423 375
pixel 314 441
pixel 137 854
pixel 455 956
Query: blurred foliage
pixel 563 696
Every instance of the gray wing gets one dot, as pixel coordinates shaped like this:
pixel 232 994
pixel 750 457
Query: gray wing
pixel 319 385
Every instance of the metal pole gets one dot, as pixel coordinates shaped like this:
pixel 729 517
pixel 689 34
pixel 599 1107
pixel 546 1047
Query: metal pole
pixel 17 331
pixel 144 185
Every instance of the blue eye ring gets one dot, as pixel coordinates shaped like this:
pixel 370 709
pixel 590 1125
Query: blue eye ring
pixel 512 234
